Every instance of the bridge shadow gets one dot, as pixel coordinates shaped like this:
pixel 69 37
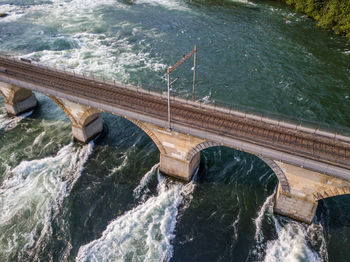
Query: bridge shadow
pixel 333 215
pixel 233 186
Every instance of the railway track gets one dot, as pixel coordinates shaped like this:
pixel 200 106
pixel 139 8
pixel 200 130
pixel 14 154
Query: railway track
pixel 297 142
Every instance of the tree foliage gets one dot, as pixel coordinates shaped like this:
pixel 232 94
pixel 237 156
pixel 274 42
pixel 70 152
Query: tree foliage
pixel 332 14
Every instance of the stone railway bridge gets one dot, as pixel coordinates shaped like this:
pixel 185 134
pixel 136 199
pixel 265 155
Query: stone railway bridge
pixel 310 164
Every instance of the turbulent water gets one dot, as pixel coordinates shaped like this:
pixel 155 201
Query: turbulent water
pixel 106 201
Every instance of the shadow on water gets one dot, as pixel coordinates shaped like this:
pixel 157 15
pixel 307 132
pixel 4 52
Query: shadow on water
pixel 218 225
pixel 332 214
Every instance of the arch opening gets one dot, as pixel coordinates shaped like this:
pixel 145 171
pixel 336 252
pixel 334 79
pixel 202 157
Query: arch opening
pixel 86 121
pixel 65 110
pixel 148 131
pixel 275 168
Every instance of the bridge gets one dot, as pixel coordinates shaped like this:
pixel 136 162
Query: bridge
pixel 311 164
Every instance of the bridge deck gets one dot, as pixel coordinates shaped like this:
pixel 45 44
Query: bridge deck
pixel 319 146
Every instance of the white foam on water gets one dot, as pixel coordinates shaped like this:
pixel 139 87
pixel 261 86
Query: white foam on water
pixel 55 10
pixel 206 99
pixel 125 157
pixel 317 236
pixel 100 60
pixel 123 164
pixel 235 224
pixel 170 5
pixel 13 13
pixel 143 233
pixel 294 241
pixel 144 181
pixel 31 196
pixel 291 245
pixel 95 56
pixel 266 210
pixel 39 138
pixel 7 123
pixel 243 2
pixel 267 206
pixel 104 54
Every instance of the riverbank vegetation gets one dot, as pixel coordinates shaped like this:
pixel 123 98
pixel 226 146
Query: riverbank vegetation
pixel 330 14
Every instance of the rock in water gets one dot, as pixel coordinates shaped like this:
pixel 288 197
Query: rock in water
pixel 3 15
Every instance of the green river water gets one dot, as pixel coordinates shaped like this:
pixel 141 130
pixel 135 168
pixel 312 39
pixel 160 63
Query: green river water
pixel 106 201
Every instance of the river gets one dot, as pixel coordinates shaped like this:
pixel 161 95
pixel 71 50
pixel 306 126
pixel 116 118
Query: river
pixel 106 201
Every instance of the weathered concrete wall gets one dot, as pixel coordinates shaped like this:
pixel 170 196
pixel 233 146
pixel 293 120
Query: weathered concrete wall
pixel 17 100
pixel 305 189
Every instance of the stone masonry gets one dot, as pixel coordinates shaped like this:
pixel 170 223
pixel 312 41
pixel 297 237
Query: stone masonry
pixel 17 100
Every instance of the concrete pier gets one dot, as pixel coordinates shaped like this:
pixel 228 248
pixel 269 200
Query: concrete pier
pixel 89 131
pixel 180 169
pixel 177 158
pixel 20 107
pixel 86 121
pixel 295 207
pixel 17 100
pixel 305 187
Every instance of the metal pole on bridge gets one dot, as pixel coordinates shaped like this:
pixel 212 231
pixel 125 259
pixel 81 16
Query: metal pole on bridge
pixel 194 70
pixel 168 72
pixel 172 68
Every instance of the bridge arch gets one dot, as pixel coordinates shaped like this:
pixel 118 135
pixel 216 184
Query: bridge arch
pixel 195 150
pixel 149 132
pixel 64 108
pixel 282 178
pixel 79 115
pixel 86 121
pixel 3 95
pixel 272 164
pixel 331 192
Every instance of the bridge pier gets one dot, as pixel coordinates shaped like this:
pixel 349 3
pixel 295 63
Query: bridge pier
pixel 86 121
pixel 84 133
pixel 299 199
pixel 294 206
pixel 17 100
pixel 179 168
pixel 177 158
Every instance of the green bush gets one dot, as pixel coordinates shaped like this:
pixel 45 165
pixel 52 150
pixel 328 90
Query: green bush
pixel 330 14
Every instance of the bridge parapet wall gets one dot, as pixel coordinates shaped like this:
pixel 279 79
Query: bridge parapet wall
pixel 17 100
